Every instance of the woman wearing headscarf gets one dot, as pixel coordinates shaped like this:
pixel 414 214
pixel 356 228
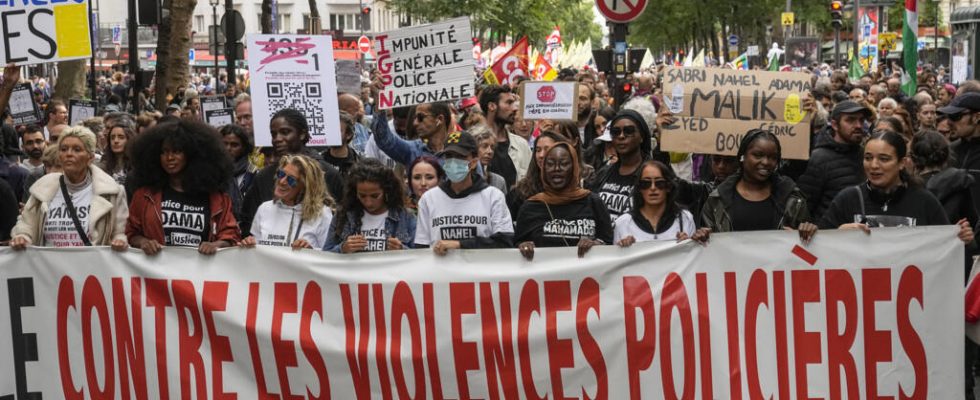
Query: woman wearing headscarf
pixel 181 174
pixel 299 214
pixel 82 206
pixel 563 214
pixel 631 137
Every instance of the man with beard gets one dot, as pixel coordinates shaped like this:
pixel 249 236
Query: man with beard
pixel 33 144
pixel 837 160
pixel 512 156
pixel 585 96
pixel 432 124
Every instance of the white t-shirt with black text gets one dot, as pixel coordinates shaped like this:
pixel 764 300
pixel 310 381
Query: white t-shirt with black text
pixel 481 214
pixel 625 226
pixel 59 228
pixel 373 230
pixel 276 224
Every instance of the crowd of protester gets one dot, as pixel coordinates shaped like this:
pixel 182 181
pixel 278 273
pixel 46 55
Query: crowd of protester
pixel 473 174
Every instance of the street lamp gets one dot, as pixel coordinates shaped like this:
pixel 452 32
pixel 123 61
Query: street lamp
pixel 214 44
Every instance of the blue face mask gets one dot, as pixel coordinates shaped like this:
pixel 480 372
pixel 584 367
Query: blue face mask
pixel 456 169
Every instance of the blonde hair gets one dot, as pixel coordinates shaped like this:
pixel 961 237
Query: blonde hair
pixel 83 134
pixel 315 194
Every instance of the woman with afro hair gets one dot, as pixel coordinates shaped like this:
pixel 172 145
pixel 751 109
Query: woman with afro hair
pixel 181 172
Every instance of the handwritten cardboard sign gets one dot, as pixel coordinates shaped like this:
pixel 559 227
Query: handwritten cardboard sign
pixel 41 31
pixel 549 100
pixel 714 108
pixel 426 63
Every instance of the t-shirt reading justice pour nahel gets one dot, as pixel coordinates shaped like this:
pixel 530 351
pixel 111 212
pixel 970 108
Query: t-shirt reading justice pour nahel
pixel 480 214
pixel 373 230
pixel 59 228
pixel 615 193
pixel 185 218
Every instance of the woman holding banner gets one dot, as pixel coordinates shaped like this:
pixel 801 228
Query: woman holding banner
pixel 372 216
pixel 656 214
pixel 82 206
pixel 299 214
pixel 181 172
pixel 756 197
pixel 564 214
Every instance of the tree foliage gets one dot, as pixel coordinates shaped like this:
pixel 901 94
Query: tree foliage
pixel 514 18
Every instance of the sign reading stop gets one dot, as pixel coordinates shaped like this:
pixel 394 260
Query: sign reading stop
pixel 364 44
pixel 621 10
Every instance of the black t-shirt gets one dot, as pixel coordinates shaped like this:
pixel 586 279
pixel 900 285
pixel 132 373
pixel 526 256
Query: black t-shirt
pixel 616 193
pixel 752 215
pixel 185 218
pixel 502 164
pixel 586 218
pixel 918 206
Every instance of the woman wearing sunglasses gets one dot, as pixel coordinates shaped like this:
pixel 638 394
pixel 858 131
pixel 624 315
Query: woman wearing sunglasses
pixel 373 216
pixel 299 214
pixel 563 214
pixel 756 197
pixel 181 171
pixel 655 214
pixel 632 141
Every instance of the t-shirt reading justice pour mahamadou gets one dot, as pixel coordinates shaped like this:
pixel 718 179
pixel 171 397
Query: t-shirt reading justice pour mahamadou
pixel 185 218
pixel 480 214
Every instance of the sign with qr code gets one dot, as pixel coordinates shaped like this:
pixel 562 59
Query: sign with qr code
pixel 426 63
pixel 294 71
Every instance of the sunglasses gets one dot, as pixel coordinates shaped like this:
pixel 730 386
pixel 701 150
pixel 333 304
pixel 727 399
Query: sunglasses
pixel 290 181
pixel 661 184
pixel 627 131
pixel 421 117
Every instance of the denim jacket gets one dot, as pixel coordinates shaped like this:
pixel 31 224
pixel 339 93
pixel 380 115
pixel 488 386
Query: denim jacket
pixel 398 149
pixel 401 222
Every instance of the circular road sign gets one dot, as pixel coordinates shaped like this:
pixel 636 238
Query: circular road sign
pixel 364 44
pixel 238 29
pixel 733 40
pixel 621 10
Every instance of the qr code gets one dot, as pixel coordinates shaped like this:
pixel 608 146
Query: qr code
pixel 305 97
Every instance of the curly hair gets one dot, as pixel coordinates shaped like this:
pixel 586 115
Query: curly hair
pixel 930 149
pixel 367 170
pixel 239 131
pixel 295 119
pixel 208 167
pixel 315 194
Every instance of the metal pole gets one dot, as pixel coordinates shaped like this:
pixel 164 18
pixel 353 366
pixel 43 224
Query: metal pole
pixel 857 31
pixel 214 22
pixel 230 48
pixel 134 61
pixel 786 28
pixel 935 40
pixel 836 47
pixel 94 37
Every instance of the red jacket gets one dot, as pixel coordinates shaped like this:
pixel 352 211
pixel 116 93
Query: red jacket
pixel 145 214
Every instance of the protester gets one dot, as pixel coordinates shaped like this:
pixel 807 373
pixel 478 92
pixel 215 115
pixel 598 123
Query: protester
pixel 964 116
pixel 463 212
pixel 299 214
pixel 181 172
pixel 82 206
pixel 343 157
pixel 116 161
pixel 424 174
pixel 563 214
pixel 9 207
pixel 632 140
pixel 354 108
pixel 655 215
pixel 372 216
pixel 487 143
pixel 890 196
pixel 32 144
pixel 290 133
pixel 757 197
pixel 951 186
pixel 513 153
pixel 569 130
pixel 530 184
pixel 835 162
pixel 55 115
pixel 431 121
pixel 243 112
pixel 238 146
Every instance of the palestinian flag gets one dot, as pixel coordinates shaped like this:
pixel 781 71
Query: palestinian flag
pixel 910 46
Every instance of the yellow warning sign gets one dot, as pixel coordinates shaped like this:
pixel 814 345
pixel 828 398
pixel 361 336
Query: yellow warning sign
pixel 788 18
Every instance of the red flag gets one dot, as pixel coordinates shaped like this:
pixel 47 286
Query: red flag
pixel 513 64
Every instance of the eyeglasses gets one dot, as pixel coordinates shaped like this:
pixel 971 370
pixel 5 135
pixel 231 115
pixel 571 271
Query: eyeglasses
pixel 627 131
pixel 421 116
pixel 290 180
pixel 661 184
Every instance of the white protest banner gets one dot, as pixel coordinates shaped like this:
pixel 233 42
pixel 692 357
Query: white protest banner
pixel 715 107
pixel 219 117
pixel 44 31
pixel 549 100
pixel 426 63
pixel 23 109
pixel 294 71
pixel 749 315
pixel 80 110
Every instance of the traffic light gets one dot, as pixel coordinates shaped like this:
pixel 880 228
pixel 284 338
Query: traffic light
pixel 366 11
pixel 836 13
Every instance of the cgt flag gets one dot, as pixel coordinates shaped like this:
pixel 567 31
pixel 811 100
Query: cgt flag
pixel 510 66
pixel 543 71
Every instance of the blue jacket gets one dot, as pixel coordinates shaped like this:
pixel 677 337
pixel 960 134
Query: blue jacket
pixel 398 149
pixel 402 223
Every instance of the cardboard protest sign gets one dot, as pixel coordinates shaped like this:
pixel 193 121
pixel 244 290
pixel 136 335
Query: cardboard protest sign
pixel 349 77
pixel 549 100
pixel 219 117
pixel 426 63
pixel 40 31
pixel 80 110
pixel 714 108
pixel 22 107
pixel 294 71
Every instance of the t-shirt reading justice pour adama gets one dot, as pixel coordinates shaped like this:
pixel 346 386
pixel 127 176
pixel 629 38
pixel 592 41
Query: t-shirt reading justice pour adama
pixel 59 228
pixel 480 214
pixel 615 193
pixel 185 218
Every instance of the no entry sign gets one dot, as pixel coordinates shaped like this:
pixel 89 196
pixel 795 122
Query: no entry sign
pixel 621 10
pixel 364 44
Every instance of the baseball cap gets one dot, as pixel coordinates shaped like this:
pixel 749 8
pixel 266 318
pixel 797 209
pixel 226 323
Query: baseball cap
pixel 849 107
pixel 962 103
pixel 459 144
